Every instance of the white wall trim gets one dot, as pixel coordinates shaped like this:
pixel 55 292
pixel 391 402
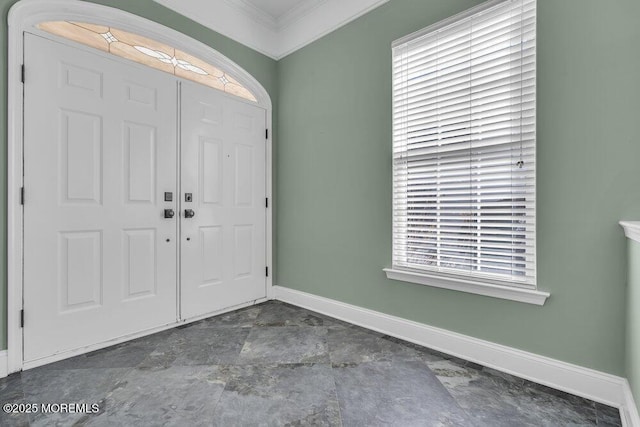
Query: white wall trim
pixel 4 371
pixel 274 22
pixel 298 12
pixel 22 17
pixel 631 229
pixel 229 20
pixel 254 12
pixel 275 37
pixel 469 285
pixel 585 382
pixel 322 20
pixel 630 416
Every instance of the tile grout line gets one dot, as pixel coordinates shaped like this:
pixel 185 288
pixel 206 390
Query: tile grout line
pixel 333 378
pixel 215 406
pixel 228 380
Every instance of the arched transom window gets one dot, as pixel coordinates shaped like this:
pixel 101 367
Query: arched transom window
pixel 148 52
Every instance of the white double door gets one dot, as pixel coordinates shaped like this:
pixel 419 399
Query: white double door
pixel 111 149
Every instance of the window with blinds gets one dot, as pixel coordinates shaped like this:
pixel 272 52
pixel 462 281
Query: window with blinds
pixel 464 98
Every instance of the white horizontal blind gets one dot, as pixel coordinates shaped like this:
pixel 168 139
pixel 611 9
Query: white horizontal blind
pixel 464 146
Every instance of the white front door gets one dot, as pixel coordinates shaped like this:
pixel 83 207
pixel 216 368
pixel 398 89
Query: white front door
pixel 223 252
pixel 99 155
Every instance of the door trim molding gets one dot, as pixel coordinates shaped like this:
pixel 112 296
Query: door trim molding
pixel 22 17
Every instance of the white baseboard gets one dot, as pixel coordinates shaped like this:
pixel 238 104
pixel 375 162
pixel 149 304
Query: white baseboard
pixel 584 382
pixel 4 367
pixel 629 412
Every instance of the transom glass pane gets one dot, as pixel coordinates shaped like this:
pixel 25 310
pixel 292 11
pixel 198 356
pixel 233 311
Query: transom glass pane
pixel 148 52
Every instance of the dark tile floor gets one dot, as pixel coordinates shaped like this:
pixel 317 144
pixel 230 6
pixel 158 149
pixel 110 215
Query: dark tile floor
pixel 279 365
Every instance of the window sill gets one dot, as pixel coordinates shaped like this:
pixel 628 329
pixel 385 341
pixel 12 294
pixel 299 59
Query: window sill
pixel 528 296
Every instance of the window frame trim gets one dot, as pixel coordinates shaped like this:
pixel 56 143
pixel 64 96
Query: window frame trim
pixel 489 288
pixel 497 288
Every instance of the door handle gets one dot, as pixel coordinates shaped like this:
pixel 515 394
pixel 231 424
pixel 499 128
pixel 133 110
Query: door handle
pixel 189 213
pixel 169 213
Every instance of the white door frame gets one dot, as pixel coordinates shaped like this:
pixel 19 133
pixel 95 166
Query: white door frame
pixel 23 16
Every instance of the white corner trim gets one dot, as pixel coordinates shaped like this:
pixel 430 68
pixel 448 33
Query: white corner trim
pixel 229 20
pixel 631 229
pixel 584 382
pixel 629 413
pixel 512 293
pixel 275 37
pixel 253 11
pixel 275 22
pixel 320 21
pixel 298 11
pixel 4 367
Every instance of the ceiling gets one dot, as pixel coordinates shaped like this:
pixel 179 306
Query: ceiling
pixel 273 27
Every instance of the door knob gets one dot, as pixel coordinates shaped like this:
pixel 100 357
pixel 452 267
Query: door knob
pixel 169 213
pixel 189 213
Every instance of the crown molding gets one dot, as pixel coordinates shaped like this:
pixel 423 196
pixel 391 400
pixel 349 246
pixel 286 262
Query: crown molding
pixel 272 36
pixel 300 10
pixel 276 23
pixel 228 20
pixel 322 20
pixel 255 13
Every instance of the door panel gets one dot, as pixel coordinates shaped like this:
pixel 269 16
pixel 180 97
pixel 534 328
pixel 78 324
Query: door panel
pixel 80 270
pixel 223 253
pixel 99 153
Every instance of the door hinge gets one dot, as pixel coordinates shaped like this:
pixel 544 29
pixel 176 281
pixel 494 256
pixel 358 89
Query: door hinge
pixel 266 271
pixel 22 195
pixel 266 134
pixel 22 74
pixel 22 318
pixel 266 202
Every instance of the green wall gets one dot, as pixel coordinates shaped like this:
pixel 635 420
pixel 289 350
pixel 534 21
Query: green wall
pixel 334 178
pixel 261 67
pixel 633 321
